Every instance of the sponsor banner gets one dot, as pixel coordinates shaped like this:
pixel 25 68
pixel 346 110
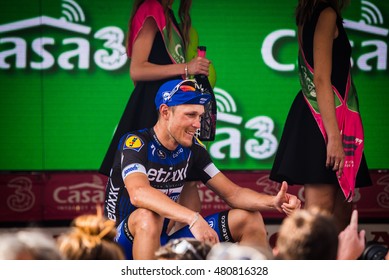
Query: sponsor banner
pixel 371 202
pixel 65 195
pixel 21 197
pixel 68 195
pixel 63 64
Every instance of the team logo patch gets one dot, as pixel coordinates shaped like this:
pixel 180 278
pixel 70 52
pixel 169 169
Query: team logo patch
pixel 211 222
pixel 161 154
pixel 133 142
pixel 133 168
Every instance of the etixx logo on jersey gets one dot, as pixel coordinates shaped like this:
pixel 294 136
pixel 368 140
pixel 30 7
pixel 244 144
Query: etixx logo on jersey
pixel 133 142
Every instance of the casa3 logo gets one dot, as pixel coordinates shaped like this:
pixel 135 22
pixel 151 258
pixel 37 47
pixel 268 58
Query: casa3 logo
pixel 111 57
pixel 374 54
pixel 261 146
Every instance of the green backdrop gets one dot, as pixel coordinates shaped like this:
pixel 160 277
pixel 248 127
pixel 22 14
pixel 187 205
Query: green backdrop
pixel 64 78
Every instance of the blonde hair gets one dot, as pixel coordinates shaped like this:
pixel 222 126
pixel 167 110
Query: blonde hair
pixel 91 238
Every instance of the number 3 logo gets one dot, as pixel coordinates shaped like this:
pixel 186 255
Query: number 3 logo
pixel 264 128
pixel 117 57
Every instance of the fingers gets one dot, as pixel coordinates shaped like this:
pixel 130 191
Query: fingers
pixel 202 231
pixel 337 164
pixel 288 211
pixel 293 204
pixel 199 65
pixel 281 197
pixel 330 161
pixel 362 235
pixel 213 238
pixel 209 236
pixel 284 188
pixel 354 220
pixel 340 172
pixel 289 202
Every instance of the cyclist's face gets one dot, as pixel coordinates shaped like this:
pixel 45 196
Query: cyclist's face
pixel 183 123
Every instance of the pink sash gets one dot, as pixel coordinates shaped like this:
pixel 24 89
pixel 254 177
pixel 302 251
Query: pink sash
pixel 349 122
pixel 173 43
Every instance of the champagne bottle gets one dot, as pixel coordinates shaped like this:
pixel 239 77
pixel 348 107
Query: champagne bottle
pixel 208 122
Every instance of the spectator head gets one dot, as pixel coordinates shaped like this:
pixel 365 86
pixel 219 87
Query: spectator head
pixel 233 251
pixel 28 244
pixel 91 237
pixel 183 249
pixel 307 235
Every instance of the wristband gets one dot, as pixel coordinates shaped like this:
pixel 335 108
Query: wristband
pixel 194 220
pixel 186 71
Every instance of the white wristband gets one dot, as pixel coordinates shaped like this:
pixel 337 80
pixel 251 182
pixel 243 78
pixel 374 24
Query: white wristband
pixel 194 220
pixel 186 71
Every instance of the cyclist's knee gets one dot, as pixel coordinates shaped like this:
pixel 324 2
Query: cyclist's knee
pixel 246 221
pixel 145 222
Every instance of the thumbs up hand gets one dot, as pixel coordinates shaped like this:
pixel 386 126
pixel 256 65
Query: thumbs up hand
pixel 285 202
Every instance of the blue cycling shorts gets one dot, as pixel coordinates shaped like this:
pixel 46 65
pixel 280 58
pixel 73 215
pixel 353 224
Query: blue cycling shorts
pixel 217 221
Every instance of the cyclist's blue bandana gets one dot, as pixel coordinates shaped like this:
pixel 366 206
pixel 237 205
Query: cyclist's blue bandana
pixel 178 92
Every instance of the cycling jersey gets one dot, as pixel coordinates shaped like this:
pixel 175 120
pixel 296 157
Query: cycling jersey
pixel 167 172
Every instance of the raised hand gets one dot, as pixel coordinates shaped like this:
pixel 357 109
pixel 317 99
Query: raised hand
pixel 351 243
pixel 285 202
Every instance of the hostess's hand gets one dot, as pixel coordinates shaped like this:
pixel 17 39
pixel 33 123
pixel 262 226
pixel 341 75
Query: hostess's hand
pixel 199 65
pixel 335 155
pixel 285 202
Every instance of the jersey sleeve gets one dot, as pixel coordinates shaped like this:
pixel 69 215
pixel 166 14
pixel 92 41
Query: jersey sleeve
pixel 203 167
pixel 134 155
